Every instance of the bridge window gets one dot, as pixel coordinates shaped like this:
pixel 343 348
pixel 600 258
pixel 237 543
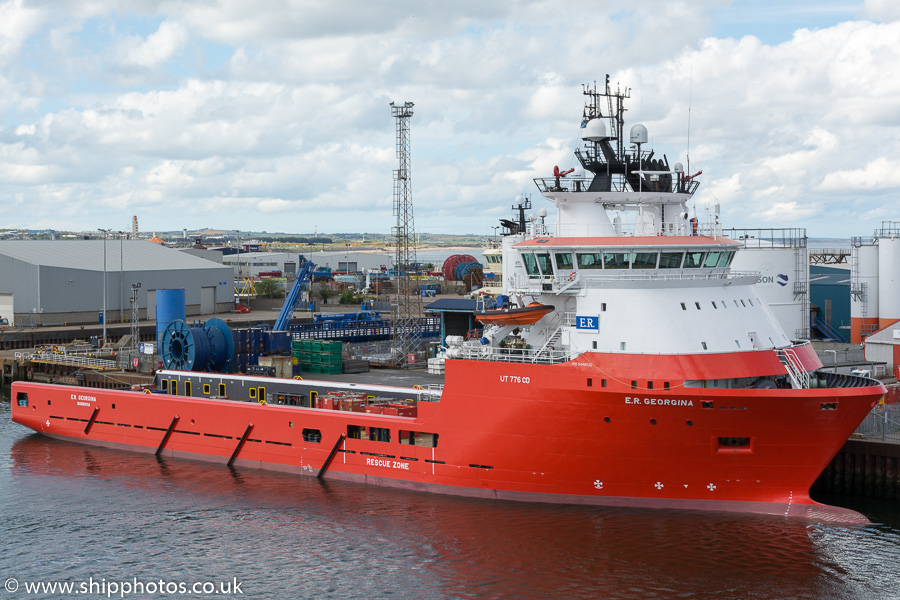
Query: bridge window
pixel 725 259
pixel 693 260
pixel 712 259
pixel 531 266
pixel 616 260
pixel 590 260
pixel 564 261
pixel 544 264
pixel 670 260
pixel 644 260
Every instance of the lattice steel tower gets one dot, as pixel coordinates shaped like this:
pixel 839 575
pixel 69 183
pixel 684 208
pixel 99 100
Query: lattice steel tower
pixel 408 309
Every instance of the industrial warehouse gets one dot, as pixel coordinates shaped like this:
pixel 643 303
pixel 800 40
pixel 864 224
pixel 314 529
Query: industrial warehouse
pixel 44 283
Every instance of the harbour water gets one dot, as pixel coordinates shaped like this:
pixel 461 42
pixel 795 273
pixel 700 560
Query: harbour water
pixel 82 514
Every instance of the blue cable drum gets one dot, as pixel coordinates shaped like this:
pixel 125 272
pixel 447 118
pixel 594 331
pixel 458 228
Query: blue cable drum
pixel 465 268
pixel 206 348
pixel 170 306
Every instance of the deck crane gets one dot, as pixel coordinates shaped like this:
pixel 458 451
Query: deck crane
pixel 293 297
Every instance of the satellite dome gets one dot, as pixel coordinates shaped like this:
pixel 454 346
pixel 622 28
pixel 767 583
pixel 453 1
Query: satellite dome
pixel 638 134
pixel 594 131
pixel 542 213
pixel 679 168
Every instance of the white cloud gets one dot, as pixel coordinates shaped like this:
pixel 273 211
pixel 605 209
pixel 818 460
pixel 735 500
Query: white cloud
pixel 881 173
pixel 882 10
pixel 17 23
pixel 157 48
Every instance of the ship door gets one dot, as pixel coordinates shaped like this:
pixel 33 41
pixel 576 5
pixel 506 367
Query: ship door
pixel 187 388
pixel 753 339
pixel 314 399
pixel 173 386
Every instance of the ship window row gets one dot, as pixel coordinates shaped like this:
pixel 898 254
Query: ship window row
pixel 539 264
pixel 724 304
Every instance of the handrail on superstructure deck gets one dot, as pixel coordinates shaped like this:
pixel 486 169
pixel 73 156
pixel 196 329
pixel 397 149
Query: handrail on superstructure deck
pixel 799 376
pixel 582 184
pixel 589 278
pixel 516 355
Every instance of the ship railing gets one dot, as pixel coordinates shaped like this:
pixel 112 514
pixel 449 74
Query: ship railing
pixel 514 355
pixel 882 423
pixel 799 376
pixel 431 392
pixel 74 360
pixel 520 281
pixel 583 184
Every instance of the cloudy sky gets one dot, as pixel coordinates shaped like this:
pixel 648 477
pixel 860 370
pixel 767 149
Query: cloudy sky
pixel 275 115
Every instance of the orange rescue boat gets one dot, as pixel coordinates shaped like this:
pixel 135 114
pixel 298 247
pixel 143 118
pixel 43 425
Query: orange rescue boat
pixel 528 315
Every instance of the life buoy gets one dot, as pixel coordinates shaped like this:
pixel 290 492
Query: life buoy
pixel 573 275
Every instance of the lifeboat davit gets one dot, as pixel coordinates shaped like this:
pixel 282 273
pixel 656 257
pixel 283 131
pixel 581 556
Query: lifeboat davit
pixel 527 315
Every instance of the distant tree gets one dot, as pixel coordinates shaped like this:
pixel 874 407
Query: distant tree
pixel 268 288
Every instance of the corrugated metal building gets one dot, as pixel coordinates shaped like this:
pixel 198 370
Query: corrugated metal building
pixel 253 263
pixel 829 297
pixel 884 346
pixel 55 282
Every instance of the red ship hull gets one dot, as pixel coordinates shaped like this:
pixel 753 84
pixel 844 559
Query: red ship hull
pixel 570 433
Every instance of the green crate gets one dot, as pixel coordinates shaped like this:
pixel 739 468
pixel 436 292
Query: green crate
pixel 315 368
pixel 304 366
pixel 297 345
pixel 330 359
pixel 315 345
pixel 332 346
pixel 315 357
pixel 332 369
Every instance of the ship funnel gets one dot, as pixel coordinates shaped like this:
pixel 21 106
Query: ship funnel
pixel 638 134
pixel 594 131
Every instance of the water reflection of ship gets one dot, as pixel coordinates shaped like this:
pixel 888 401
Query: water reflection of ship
pixel 466 548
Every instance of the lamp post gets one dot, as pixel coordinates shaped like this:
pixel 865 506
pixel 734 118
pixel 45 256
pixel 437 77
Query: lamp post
pixel 105 232
pixel 121 274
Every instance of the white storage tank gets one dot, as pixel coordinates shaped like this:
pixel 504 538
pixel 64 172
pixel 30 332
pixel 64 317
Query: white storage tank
pixel 889 281
pixel 864 303
pixel 779 280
